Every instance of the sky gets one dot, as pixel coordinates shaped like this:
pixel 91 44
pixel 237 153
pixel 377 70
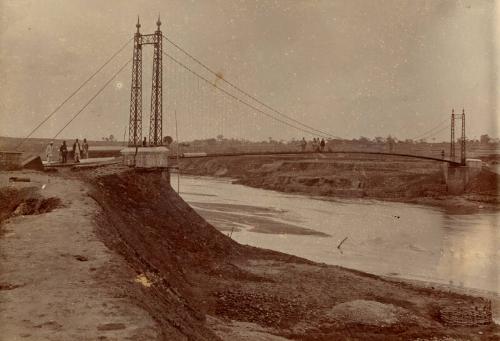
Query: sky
pixel 349 67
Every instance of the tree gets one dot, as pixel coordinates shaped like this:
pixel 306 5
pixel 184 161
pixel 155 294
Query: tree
pixel 167 140
pixel 390 141
pixel 363 139
pixel 485 139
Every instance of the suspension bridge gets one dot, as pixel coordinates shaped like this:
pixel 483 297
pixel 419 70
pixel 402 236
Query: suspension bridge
pixel 211 105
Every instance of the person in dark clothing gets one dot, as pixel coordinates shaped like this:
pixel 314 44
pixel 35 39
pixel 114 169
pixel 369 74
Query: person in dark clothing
pixel 315 145
pixel 144 143
pixel 64 152
pixel 442 154
pixel 303 144
pixel 322 145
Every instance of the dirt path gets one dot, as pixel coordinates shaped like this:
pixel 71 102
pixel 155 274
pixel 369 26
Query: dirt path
pixel 58 281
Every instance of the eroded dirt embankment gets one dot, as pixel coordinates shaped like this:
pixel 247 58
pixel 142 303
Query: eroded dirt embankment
pixel 24 201
pixel 396 179
pixel 58 281
pixel 199 284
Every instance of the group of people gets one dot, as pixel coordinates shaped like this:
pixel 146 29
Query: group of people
pixel 317 145
pixel 79 151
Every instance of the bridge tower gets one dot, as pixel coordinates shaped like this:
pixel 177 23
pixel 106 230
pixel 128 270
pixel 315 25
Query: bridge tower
pixel 135 120
pixel 452 138
pixel 463 141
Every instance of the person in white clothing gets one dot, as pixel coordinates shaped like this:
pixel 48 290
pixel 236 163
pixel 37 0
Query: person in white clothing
pixel 49 152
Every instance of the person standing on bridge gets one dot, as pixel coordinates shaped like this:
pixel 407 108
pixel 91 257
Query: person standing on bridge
pixel 85 147
pixel 144 143
pixel 76 151
pixel 49 152
pixel 64 152
pixel 303 144
pixel 322 145
pixel 314 145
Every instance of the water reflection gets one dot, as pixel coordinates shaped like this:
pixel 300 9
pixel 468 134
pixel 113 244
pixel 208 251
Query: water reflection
pixel 471 250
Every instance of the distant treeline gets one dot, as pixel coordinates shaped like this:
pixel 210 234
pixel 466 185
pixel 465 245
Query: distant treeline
pixel 387 144
pixel 478 147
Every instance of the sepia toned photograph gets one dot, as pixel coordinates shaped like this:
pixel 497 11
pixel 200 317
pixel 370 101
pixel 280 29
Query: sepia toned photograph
pixel 249 170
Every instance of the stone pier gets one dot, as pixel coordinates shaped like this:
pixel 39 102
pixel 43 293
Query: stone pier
pixel 458 177
pixel 147 159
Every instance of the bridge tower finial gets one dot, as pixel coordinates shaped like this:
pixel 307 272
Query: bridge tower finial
pixel 158 22
pixel 138 25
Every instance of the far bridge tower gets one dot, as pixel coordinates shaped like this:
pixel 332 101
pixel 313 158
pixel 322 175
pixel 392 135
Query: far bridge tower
pixel 463 142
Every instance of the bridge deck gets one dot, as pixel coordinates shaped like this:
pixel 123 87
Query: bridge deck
pixel 201 155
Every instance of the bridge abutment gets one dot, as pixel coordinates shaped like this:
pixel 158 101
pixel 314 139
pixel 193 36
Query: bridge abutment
pixel 458 177
pixel 145 157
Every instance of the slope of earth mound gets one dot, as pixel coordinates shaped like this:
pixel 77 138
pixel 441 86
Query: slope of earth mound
pixel 199 284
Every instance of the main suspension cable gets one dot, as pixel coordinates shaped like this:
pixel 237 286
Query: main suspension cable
pixel 322 133
pixel 431 131
pixel 237 98
pixel 92 98
pixel 72 94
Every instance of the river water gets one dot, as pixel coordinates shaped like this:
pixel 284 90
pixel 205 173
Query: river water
pixel 391 239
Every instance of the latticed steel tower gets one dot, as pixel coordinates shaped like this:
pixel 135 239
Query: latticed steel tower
pixel 135 121
pixel 452 137
pixel 463 140
pixel 155 124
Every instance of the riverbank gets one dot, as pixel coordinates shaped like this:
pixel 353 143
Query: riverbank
pixel 383 238
pixel 387 178
pixel 192 281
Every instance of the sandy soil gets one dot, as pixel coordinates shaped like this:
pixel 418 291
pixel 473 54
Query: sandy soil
pixel 164 272
pixel 222 213
pixel 58 281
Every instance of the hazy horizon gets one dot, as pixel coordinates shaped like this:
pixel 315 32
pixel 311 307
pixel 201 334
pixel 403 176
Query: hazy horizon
pixel 352 68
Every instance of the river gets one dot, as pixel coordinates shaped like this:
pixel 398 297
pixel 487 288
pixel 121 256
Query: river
pixel 384 238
